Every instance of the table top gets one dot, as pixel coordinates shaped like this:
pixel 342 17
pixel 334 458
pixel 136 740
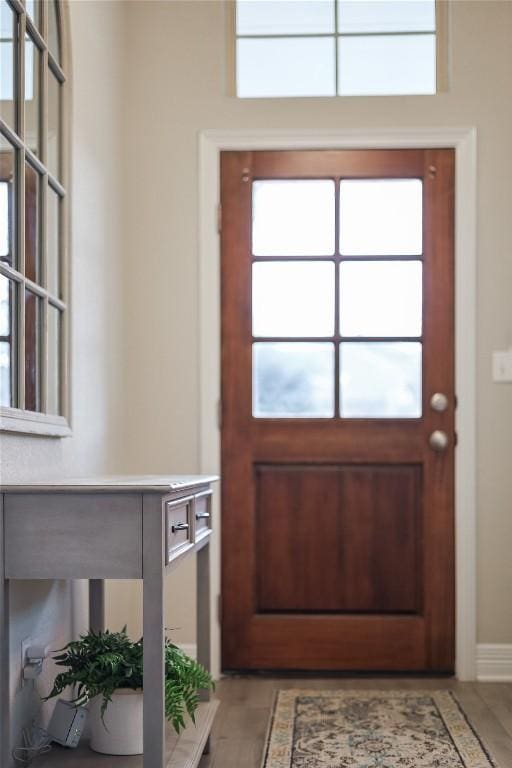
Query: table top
pixel 112 484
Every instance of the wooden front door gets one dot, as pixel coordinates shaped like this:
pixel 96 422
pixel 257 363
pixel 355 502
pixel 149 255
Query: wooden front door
pixel 338 410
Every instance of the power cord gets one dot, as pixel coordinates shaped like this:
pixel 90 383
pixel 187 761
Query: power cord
pixel 36 742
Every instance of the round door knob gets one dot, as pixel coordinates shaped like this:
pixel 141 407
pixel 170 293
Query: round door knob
pixel 438 440
pixel 439 402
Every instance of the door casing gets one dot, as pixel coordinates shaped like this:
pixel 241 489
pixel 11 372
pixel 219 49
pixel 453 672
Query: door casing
pixel 463 140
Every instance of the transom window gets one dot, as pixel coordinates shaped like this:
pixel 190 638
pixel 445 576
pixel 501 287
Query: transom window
pixel 335 47
pixel 33 212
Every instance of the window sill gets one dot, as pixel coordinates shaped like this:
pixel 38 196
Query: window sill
pixel 30 423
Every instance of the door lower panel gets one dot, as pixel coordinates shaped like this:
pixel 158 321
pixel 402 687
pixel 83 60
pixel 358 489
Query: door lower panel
pixel 344 539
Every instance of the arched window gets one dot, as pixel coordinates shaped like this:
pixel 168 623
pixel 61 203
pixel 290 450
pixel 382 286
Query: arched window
pixel 34 275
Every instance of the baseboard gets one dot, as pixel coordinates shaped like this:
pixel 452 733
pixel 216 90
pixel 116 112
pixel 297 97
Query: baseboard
pixel 189 648
pixel 494 663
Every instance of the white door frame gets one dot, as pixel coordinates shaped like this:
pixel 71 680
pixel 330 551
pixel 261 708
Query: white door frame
pixel 463 140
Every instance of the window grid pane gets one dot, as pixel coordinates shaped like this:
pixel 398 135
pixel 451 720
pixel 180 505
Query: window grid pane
pixel 275 17
pixel 381 380
pixel 53 249
pixel 8 199
pixel 386 65
pixel 380 16
pixel 293 380
pixel 293 217
pixel 54 43
pixel 381 298
pixel 53 141
pixel 32 94
pixel 8 37
pixel 33 329
pixel 8 350
pixel 381 217
pixel 33 184
pixel 53 374
pixel 34 11
pixel 293 298
pixel 286 67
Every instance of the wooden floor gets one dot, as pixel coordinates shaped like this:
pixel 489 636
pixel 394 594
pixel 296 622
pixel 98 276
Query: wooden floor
pixel 240 727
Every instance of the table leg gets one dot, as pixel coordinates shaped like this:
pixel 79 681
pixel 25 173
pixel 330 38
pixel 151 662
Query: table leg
pixel 153 571
pixel 96 604
pixel 5 735
pixel 203 612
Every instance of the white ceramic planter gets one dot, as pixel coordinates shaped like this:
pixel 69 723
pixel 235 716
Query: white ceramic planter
pixel 123 720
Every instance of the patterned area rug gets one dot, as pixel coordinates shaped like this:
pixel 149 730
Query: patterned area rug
pixel 372 729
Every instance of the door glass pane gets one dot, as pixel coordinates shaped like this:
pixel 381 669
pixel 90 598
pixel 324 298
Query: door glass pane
pixel 380 298
pixel 293 298
pixel 32 223
pixel 285 66
pixel 293 218
pixel 54 100
pixel 293 380
pixel 380 65
pixel 7 201
pixel 53 30
pixel 294 17
pixel 386 15
pixel 54 360
pixel 32 94
pixel 8 25
pixel 381 217
pixel 53 250
pixel 32 352
pixel 380 380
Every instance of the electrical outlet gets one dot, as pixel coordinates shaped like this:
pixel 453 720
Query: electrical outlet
pixel 25 645
pixel 502 366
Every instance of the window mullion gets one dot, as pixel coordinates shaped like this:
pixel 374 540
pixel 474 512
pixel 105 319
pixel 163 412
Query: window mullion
pixel 43 381
pixel 337 377
pixel 43 212
pixel 20 207
pixel 336 46
pixel 64 342
pixel 64 235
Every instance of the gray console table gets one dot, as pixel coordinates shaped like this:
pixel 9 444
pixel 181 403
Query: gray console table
pixel 113 528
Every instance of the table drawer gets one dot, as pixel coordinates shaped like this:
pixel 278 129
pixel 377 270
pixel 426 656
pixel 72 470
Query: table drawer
pixel 180 527
pixel 203 514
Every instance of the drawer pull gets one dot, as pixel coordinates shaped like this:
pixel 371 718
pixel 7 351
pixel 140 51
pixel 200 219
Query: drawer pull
pixel 202 515
pixel 180 527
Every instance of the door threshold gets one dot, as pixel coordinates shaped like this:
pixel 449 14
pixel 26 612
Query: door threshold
pixel 333 673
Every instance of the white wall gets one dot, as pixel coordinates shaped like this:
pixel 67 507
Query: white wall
pixel 177 74
pixel 43 609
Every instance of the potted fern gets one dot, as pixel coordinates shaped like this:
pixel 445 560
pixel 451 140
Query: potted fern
pixel 106 670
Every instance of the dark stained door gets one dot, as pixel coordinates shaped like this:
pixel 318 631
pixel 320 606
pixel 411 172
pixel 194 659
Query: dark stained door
pixel 338 410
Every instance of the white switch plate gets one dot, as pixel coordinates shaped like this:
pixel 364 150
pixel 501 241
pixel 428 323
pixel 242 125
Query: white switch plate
pixel 502 366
